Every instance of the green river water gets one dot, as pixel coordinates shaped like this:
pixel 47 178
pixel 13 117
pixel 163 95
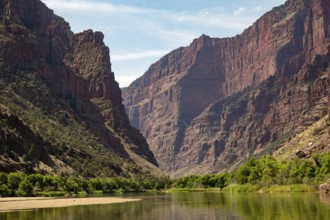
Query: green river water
pixel 191 206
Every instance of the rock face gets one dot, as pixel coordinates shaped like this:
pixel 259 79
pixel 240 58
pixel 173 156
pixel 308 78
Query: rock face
pixel 75 69
pixel 210 105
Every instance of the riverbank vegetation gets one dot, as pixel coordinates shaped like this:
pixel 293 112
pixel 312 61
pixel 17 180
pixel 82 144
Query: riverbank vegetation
pixel 264 175
pixel 20 184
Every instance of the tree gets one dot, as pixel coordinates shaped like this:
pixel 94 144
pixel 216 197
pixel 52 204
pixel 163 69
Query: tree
pixel 109 185
pixel 96 183
pixel 242 174
pixel 14 179
pixel 3 178
pixel 47 183
pixel 283 174
pixel 325 169
pixel 25 188
pixel 37 181
pixel 221 180
pixel 4 190
pixel 206 181
pixel 72 185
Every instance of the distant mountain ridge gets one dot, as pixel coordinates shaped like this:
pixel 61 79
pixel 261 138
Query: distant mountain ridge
pixel 61 108
pixel 209 106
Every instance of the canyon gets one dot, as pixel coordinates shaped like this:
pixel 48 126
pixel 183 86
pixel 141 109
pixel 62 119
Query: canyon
pixel 61 108
pixel 204 108
pixel 212 105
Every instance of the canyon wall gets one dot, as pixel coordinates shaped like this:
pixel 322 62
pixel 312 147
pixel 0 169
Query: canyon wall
pixel 74 75
pixel 208 106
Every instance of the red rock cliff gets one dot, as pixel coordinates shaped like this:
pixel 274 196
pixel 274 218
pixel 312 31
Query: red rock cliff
pixel 171 100
pixel 77 69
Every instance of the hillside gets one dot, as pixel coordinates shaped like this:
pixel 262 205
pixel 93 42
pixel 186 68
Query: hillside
pixel 212 105
pixel 61 109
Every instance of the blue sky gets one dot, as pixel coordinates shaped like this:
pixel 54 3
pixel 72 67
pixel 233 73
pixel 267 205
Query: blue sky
pixel 139 32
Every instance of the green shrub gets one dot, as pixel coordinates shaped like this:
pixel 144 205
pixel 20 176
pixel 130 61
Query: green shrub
pixel 237 188
pixel 25 188
pixel 4 190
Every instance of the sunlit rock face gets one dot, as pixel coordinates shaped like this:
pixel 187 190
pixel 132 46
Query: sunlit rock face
pixel 208 106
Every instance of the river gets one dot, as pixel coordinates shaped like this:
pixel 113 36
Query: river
pixel 191 206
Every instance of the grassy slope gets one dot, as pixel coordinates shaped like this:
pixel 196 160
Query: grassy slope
pixel 314 139
pixel 74 149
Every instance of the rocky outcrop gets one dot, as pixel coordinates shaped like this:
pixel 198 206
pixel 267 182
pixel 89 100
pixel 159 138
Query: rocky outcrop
pixel 208 106
pixel 76 69
pixel 17 137
pixel 325 187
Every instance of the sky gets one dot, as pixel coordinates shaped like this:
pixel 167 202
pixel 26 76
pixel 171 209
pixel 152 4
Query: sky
pixel 140 32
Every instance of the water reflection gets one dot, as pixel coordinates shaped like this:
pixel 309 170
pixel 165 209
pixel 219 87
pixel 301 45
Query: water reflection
pixel 203 206
pixel 325 198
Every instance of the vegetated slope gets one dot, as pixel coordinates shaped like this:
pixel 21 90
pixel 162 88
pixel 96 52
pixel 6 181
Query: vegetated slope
pixel 211 105
pixel 61 108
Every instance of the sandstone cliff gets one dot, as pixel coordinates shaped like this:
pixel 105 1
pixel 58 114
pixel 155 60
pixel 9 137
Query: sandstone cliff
pixel 67 80
pixel 208 106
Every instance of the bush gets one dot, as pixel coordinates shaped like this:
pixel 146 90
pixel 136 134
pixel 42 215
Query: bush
pixel 72 185
pixel 240 188
pixel 14 179
pixel 25 188
pixel 3 178
pixel 4 190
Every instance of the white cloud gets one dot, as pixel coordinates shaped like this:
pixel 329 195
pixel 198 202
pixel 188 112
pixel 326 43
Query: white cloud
pixel 239 11
pixel 139 55
pixel 258 8
pixel 182 35
pixel 125 79
pixel 213 17
pixel 215 20
pixel 153 31
pixel 81 5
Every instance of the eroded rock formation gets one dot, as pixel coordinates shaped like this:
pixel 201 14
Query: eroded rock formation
pixel 74 68
pixel 208 106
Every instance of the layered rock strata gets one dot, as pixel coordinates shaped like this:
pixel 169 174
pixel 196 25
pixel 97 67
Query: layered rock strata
pixel 76 70
pixel 205 106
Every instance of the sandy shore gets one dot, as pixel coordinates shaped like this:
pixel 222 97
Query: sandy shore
pixel 10 204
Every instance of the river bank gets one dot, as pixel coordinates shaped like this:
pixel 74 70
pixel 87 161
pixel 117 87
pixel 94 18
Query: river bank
pixel 20 203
